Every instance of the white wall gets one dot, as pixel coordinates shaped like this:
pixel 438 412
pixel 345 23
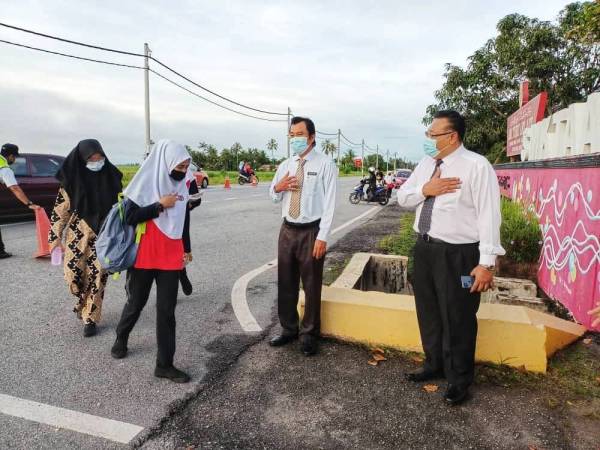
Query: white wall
pixel 571 131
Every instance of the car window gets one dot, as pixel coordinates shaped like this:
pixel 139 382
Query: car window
pixel 19 167
pixel 44 166
pixel 193 168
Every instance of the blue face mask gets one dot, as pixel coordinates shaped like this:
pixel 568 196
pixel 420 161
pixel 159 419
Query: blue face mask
pixel 298 144
pixel 430 147
pixel 95 166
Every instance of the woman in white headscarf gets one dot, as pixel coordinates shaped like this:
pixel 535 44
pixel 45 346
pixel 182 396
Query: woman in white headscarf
pixel 159 191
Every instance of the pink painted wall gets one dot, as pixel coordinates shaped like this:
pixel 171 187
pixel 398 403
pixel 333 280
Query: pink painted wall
pixel 566 202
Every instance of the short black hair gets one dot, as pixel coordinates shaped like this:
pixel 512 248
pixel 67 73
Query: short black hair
pixel 9 149
pixel 457 121
pixel 310 125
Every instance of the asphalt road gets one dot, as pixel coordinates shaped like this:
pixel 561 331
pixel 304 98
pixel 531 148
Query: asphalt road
pixel 46 359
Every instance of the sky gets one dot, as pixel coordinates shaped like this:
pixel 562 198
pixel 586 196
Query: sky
pixel 369 68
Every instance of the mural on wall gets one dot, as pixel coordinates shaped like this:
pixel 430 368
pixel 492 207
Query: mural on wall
pixel 566 202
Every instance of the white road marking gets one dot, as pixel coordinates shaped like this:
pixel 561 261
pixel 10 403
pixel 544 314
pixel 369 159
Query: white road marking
pixel 112 430
pixel 17 223
pixel 239 302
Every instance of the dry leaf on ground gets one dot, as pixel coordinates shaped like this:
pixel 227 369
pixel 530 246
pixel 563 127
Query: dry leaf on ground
pixel 587 341
pixel 378 350
pixel 418 359
pixel 430 388
pixel 379 357
pixel 372 362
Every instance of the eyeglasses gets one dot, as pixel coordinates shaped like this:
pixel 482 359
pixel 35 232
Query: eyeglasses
pixel 429 135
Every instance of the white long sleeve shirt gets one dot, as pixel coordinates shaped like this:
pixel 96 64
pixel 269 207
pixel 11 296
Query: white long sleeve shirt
pixel 472 213
pixel 318 191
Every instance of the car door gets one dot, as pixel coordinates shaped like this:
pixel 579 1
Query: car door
pixel 10 206
pixel 43 185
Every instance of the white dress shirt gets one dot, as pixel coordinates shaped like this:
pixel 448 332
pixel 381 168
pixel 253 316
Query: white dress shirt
pixel 318 191
pixel 472 213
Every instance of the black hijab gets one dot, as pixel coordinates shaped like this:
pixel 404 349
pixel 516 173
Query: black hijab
pixel 91 194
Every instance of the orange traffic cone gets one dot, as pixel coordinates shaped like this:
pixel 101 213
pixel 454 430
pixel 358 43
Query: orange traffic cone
pixel 42 228
pixel 227 182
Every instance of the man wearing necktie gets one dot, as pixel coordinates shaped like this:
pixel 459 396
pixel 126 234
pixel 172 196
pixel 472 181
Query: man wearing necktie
pixel 305 184
pixel 458 224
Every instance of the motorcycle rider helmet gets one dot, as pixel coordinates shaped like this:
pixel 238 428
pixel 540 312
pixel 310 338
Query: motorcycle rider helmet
pixel 372 169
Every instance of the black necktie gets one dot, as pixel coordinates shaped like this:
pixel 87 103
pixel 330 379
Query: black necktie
pixel 427 209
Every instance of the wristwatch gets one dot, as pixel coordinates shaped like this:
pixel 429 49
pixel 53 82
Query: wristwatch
pixel 29 203
pixel 488 268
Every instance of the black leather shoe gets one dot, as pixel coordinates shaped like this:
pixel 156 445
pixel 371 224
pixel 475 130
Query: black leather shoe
pixel 186 284
pixel 119 349
pixel 310 346
pixel 456 394
pixel 89 329
pixel 4 255
pixel 171 373
pixel 424 375
pixel 282 339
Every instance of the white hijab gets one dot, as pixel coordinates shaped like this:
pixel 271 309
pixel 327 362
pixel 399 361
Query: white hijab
pixel 152 181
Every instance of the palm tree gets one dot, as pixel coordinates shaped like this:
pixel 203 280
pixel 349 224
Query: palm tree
pixel 272 145
pixel 328 147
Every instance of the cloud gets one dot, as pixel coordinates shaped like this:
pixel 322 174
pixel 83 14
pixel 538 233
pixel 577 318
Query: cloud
pixel 369 68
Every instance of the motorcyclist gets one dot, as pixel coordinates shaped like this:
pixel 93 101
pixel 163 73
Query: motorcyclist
pixel 372 183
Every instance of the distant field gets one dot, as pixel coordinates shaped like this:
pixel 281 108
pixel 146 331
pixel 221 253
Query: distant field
pixel 215 177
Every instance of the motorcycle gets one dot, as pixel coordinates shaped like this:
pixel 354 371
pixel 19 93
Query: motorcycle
pixel 381 195
pixel 242 179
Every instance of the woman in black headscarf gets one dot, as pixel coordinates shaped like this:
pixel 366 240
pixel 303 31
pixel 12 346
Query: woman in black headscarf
pixel 90 185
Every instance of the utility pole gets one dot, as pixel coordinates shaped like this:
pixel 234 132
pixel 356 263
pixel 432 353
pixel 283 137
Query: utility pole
pixel 362 159
pixel 377 159
pixel 387 157
pixel 338 149
pixel 395 160
pixel 289 124
pixel 147 97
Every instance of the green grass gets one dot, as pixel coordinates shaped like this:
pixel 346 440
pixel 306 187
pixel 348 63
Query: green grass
pixel 520 233
pixel 402 242
pixel 215 177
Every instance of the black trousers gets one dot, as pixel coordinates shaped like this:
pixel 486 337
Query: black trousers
pixel 446 311
pixel 2 249
pixel 138 285
pixel 294 262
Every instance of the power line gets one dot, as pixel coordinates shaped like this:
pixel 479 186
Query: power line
pixel 70 56
pixel 142 55
pixel 70 41
pixel 326 134
pixel 214 93
pixel 210 101
pixel 353 143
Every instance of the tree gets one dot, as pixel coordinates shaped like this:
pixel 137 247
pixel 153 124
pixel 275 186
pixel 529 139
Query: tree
pixel 328 147
pixel 560 58
pixel 272 147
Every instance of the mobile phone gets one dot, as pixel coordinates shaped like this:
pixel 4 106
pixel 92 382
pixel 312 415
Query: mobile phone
pixel 466 281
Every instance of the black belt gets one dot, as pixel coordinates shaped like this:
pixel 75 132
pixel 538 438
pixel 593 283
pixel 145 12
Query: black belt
pixel 302 225
pixel 426 238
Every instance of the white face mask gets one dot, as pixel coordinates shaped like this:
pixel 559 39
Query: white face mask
pixel 95 166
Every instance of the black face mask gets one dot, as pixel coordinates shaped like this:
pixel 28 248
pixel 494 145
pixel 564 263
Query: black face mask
pixel 177 175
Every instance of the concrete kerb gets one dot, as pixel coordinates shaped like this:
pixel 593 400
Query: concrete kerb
pixel 513 335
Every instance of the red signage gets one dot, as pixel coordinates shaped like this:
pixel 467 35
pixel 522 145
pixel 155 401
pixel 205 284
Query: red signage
pixel 532 112
pixel 357 163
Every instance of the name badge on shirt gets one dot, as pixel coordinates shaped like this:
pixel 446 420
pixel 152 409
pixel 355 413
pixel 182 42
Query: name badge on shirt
pixel 313 174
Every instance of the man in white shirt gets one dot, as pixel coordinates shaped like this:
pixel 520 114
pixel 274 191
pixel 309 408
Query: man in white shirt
pixel 8 155
pixel 305 184
pixel 458 224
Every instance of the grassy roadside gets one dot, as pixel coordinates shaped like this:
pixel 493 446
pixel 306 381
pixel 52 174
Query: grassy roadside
pixel 215 177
